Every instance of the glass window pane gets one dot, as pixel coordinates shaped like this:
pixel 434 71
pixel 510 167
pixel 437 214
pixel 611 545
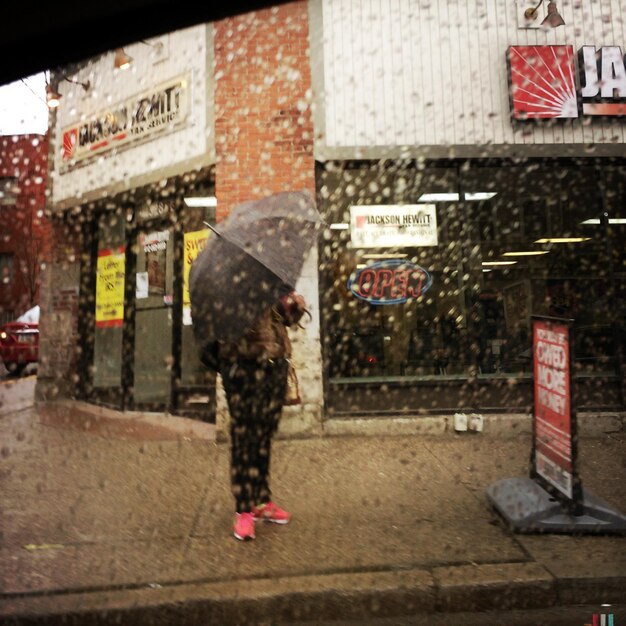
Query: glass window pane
pixel 154 297
pixel 110 276
pixel 195 234
pixel 370 339
pixel 538 257
pixel 512 241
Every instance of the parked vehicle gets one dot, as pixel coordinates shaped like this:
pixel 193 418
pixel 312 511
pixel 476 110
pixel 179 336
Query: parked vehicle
pixel 19 342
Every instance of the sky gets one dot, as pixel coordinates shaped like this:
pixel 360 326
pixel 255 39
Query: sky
pixel 23 107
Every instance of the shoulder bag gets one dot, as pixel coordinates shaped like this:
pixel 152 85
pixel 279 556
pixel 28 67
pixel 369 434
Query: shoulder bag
pixel 292 392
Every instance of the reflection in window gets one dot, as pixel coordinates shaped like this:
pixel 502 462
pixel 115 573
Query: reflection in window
pixel 198 213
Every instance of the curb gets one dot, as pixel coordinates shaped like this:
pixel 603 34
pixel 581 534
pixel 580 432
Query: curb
pixel 164 426
pixel 494 586
pixel 356 596
pixel 499 426
pixel 496 425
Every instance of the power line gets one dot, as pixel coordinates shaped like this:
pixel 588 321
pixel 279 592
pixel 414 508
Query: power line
pixel 31 90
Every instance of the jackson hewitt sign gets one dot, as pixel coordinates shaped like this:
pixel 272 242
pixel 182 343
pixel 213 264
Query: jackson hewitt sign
pixel 153 111
pixel 384 226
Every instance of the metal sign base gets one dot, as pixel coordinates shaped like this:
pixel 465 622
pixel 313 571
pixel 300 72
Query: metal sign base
pixel 528 508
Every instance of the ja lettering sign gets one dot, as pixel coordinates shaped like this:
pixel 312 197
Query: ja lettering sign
pixel 542 82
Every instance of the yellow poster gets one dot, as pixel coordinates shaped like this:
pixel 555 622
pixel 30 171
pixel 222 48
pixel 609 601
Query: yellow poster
pixel 194 243
pixel 110 287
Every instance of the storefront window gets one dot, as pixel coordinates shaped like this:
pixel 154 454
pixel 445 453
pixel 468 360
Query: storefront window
pixel 431 274
pixel 371 338
pixel 144 351
pixel 154 299
pixel 537 221
pixel 109 317
pixel 195 234
pixel 196 388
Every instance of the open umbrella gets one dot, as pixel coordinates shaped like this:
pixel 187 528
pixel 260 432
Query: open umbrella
pixel 252 258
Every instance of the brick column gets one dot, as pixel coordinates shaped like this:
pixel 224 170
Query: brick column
pixel 263 120
pixel 59 345
pixel 264 145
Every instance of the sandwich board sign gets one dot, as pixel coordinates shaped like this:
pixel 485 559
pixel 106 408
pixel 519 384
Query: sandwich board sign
pixel 554 445
pixel 552 498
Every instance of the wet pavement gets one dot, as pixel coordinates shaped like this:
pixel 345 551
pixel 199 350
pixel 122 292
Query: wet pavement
pixel 126 518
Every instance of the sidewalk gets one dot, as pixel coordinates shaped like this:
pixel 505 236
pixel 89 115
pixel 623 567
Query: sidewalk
pixel 114 519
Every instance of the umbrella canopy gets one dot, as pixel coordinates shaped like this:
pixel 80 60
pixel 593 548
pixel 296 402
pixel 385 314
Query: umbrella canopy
pixel 252 258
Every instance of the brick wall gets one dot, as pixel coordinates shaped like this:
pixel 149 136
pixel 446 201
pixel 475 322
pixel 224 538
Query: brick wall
pixel 264 145
pixel 24 229
pixel 264 126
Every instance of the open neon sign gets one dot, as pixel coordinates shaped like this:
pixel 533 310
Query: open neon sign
pixel 392 281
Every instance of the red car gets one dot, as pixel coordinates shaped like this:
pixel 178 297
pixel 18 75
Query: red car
pixel 19 342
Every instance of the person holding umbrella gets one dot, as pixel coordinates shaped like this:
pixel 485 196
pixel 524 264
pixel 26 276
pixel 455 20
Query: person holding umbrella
pixel 254 374
pixel 243 300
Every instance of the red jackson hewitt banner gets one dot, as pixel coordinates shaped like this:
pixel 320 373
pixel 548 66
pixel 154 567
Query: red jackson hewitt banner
pixel 554 443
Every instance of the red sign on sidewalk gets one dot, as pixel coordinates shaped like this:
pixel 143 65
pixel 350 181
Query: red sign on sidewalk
pixel 554 421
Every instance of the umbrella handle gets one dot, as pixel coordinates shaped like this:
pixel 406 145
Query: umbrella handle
pixel 217 232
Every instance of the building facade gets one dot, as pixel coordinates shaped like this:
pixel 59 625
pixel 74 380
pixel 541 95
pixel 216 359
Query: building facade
pixel 23 225
pixel 470 168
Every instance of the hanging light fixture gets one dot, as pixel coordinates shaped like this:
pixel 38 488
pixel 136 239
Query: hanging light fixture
pixel 159 50
pixel 122 60
pixel 53 97
pixel 158 46
pixel 552 20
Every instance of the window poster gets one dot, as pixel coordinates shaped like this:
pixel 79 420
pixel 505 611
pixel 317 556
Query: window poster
pixel 194 243
pixel 155 249
pixel 110 274
pixel 517 305
pixel 155 262
pixel 141 290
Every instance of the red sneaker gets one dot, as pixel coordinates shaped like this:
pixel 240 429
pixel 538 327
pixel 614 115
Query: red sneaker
pixel 243 528
pixel 269 512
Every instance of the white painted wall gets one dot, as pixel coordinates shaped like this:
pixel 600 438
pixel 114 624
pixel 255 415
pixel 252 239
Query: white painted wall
pixel 434 72
pixel 307 356
pixel 185 51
